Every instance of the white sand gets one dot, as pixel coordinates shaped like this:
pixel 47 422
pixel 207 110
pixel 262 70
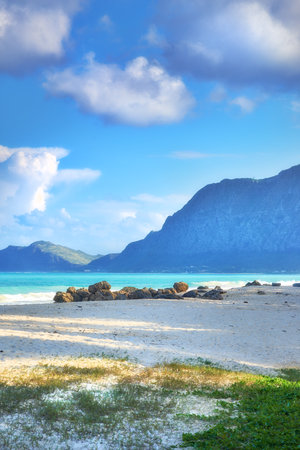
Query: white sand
pixel 262 334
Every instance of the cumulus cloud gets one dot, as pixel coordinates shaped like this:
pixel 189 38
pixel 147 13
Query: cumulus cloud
pixel 235 41
pixel 245 104
pixel 26 176
pixel 142 93
pixel 33 32
pixel 24 181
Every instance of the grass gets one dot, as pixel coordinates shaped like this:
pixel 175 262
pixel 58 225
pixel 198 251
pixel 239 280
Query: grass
pixel 126 406
pixel 267 417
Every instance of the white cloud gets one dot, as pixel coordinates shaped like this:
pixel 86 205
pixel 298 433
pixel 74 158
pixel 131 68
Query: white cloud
pixel 189 155
pixel 26 177
pixel 65 214
pixel 127 215
pixel 24 181
pixel 6 152
pixel 33 33
pixel 74 175
pixel 140 94
pixel 106 22
pixel 244 41
pixel 245 104
pixel 153 37
pixel 147 198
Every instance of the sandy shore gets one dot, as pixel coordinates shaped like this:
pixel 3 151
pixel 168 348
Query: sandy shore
pixel 259 331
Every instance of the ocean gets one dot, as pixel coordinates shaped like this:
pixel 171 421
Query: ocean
pixel 22 288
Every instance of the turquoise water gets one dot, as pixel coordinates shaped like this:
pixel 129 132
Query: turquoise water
pixel 16 288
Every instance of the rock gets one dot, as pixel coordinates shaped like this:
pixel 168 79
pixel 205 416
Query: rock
pixel 180 286
pixel 83 293
pixel 120 296
pixel 140 293
pixel 166 291
pixel 99 286
pixel 261 292
pixel 71 290
pixel 168 296
pixel 153 292
pixel 296 285
pixel 276 284
pixel 195 293
pixel 95 297
pixel 202 288
pixel 128 289
pixel 63 297
pixel 103 295
pixel 253 283
pixel 107 294
pixel 214 294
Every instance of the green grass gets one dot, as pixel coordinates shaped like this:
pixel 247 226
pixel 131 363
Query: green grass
pixel 267 416
pixel 133 407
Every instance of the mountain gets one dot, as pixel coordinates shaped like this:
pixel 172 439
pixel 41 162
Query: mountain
pixel 239 225
pixel 42 256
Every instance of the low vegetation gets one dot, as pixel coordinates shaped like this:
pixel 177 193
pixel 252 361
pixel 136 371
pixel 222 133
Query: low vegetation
pixel 105 403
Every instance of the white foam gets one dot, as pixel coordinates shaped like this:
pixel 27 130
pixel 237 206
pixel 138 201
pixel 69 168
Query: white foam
pixel 23 299
pixel 239 284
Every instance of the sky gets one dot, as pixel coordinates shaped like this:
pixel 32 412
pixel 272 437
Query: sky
pixel 115 113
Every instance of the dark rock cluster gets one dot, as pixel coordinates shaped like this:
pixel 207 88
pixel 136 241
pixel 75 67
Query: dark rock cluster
pixel 102 291
pixel 253 283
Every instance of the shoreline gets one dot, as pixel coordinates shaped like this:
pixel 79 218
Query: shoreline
pixel 244 330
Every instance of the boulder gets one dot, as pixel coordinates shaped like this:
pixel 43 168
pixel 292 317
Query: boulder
pixel 253 283
pixel 83 293
pixel 180 286
pixel 203 288
pixel 195 293
pixel 107 294
pixel 128 290
pixel 214 294
pixel 120 296
pixel 99 286
pixel 166 291
pixel 276 284
pixel 261 292
pixel 71 290
pixel 63 297
pixel 140 293
pixel 168 296
pixel 296 285
pixel 77 298
pixel 153 292
pixel 102 295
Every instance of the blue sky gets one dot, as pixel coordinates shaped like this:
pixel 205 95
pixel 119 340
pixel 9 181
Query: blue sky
pixel 113 114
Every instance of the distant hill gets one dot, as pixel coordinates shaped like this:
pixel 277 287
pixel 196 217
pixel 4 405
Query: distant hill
pixel 42 256
pixel 239 225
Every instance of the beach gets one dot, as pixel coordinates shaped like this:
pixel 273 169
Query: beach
pixel 245 330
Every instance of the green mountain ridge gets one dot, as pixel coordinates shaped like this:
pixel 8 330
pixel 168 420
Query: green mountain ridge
pixel 43 256
pixel 73 256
